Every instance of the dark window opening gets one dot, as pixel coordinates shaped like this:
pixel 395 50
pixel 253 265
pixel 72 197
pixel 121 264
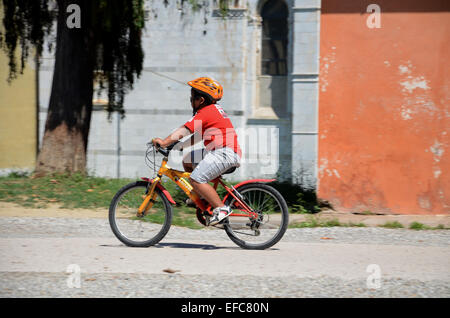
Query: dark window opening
pixel 274 15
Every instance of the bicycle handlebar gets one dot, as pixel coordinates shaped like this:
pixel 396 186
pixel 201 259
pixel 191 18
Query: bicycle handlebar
pixel 165 151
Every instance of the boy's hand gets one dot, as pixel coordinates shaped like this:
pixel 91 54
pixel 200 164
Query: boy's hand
pixel 158 142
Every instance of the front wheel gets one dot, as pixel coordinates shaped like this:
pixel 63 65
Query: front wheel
pixel 133 230
pixel 270 225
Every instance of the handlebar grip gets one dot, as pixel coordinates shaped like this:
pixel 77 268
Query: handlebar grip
pixel 167 150
pixel 172 145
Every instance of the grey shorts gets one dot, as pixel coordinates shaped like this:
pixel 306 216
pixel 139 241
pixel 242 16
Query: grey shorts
pixel 208 165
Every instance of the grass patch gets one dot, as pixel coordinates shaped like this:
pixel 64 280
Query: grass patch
pixel 185 217
pixel 67 191
pixel 420 226
pixel 392 225
pixel 332 223
pixel 312 221
pixel 80 191
pixel 181 216
pixel 366 212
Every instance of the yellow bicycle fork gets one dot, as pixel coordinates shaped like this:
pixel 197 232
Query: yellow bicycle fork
pixel 179 177
pixel 149 198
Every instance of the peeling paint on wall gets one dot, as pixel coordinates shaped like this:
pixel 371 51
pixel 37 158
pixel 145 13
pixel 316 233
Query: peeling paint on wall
pixel 391 100
pixel 405 69
pixel 406 112
pixel 413 83
pixel 336 173
pixel 416 97
pixel 327 61
pixel 436 172
pixel 437 150
pixel 322 166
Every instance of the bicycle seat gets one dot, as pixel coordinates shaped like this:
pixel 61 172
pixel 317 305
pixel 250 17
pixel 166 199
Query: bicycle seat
pixel 231 170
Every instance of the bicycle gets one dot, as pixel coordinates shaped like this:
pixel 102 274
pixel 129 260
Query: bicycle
pixel 259 219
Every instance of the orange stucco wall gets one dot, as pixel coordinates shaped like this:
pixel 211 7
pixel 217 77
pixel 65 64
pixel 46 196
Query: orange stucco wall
pixel 384 115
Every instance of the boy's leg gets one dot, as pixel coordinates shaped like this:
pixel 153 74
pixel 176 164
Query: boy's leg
pixel 213 165
pixel 220 211
pixel 190 161
pixel 207 169
pixel 208 192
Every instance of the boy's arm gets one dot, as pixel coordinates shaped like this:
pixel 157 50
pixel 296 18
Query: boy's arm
pixel 175 136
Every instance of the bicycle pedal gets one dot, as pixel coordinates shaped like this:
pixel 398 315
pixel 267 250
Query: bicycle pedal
pixel 207 220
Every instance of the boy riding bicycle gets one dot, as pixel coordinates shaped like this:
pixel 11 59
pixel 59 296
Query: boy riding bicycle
pixel 212 125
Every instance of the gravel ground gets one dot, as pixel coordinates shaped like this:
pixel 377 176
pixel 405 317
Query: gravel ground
pixel 68 227
pixel 38 284
pixel 177 285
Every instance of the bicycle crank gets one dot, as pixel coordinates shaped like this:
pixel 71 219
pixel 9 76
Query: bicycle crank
pixel 254 224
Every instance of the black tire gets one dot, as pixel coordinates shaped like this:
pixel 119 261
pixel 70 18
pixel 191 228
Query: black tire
pixel 161 209
pixel 233 229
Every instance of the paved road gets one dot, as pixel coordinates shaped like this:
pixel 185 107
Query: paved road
pixel 39 258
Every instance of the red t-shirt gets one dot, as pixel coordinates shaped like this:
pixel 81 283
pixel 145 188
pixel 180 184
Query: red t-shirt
pixel 215 127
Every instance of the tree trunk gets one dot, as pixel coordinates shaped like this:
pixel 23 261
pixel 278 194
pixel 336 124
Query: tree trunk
pixel 66 133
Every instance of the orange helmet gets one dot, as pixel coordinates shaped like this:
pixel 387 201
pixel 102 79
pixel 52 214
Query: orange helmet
pixel 208 86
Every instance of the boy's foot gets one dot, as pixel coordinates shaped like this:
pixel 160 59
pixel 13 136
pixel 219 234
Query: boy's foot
pixel 219 214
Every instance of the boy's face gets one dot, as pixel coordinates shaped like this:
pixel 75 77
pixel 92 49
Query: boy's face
pixel 195 103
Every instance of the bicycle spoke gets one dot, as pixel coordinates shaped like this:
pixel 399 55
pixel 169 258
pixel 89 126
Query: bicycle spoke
pixel 264 203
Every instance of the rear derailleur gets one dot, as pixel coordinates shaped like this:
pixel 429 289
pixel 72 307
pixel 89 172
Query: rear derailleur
pixel 255 223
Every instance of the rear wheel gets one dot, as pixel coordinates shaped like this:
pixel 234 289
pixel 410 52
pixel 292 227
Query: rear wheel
pixel 270 224
pixel 137 231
